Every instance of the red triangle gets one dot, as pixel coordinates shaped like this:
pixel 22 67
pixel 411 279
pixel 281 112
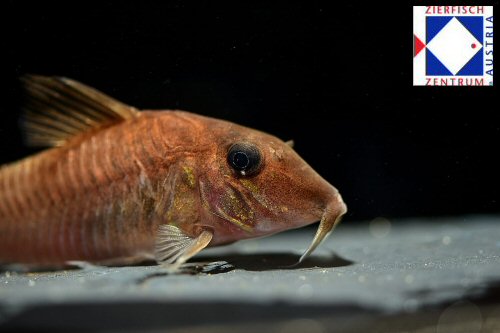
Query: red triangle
pixel 418 45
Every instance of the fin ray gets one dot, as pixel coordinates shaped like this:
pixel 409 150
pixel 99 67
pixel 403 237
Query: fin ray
pixel 173 247
pixel 57 109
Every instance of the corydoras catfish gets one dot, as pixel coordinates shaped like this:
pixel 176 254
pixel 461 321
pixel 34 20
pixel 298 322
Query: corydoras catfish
pixel 119 185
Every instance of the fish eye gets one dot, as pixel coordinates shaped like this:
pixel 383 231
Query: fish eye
pixel 244 158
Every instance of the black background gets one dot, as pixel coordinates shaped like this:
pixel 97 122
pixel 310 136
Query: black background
pixel 335 78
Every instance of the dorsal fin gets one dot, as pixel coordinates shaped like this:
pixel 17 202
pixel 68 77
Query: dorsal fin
pixel 56 109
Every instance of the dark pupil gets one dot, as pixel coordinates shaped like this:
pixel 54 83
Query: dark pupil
pixel 240 160
pixel 244 158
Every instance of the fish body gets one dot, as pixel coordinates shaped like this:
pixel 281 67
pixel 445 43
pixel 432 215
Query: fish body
pixel 120 183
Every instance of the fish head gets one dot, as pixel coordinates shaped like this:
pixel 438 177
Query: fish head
pixel 255 184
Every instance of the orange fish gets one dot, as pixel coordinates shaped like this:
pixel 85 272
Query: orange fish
pixel 120 185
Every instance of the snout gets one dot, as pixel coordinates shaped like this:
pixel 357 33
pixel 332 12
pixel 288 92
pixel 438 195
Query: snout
pixel 335 209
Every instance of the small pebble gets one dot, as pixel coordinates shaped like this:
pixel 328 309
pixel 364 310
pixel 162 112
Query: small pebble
pixel 409 279
pixel 446 240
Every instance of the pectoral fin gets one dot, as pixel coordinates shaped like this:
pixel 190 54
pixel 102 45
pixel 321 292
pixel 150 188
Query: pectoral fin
pixel 174 247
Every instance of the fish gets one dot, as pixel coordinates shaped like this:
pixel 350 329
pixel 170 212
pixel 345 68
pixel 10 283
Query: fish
pixel 119 185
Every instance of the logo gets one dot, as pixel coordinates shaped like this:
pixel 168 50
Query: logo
pixel 452 45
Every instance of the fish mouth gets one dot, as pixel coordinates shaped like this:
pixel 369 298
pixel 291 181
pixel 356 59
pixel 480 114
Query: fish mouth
pixel 331 217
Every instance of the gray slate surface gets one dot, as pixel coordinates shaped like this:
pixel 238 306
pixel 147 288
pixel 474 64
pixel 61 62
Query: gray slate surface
pixel 369 270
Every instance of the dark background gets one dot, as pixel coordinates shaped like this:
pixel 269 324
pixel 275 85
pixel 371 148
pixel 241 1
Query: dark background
pixel 335 78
